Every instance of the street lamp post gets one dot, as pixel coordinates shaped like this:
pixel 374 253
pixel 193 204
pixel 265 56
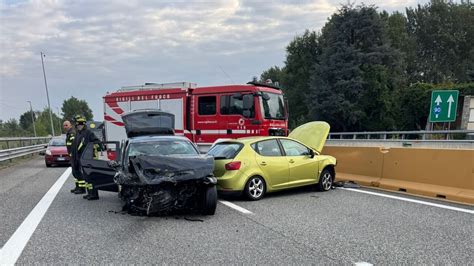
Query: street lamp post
pixel 47 95
pixel 32 118
pixel 60 125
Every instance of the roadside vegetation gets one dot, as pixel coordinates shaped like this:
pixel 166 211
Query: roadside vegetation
pixel 24 126
pixel 369 70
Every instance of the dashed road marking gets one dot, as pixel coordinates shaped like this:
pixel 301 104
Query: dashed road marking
pixel 363 263
pixel 235 207
pixel 412 200
pixel 12 250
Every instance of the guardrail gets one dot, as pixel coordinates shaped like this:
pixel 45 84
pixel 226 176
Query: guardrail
pixel 458 135
pixel 17 147
pixel 18 152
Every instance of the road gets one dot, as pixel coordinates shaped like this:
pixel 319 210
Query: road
pixel 293 227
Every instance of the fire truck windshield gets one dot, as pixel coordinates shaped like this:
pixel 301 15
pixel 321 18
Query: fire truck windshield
pixel 274 107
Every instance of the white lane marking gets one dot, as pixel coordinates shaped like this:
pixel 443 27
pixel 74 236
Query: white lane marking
pixel 12 250
pixel 235 207
pixel 363 263
pixel 412 200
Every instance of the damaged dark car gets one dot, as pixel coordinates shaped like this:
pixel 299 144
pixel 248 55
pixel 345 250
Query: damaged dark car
pixel 155 172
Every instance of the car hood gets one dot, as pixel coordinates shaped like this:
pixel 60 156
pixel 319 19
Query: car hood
pixel 154 170
pixel 58 149
pixel 312 134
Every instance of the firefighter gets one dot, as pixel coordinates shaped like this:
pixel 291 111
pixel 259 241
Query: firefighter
pixel 69 139
pixel 83 137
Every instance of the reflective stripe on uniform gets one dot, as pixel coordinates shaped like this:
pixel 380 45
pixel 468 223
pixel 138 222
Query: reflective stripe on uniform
pixel 82 183
pixel 80 145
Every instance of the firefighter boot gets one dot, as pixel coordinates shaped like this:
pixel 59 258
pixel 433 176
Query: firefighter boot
pixel 92 194
pixel 80 190
pixel 81 187
pixel 76 188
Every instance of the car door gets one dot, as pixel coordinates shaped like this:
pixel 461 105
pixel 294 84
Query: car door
pixel 272 163
pixel 303 167
pixel 96 168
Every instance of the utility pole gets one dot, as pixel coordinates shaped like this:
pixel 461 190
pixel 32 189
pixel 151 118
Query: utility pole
pixel 47 95
pixel 32 118
pixel 60 124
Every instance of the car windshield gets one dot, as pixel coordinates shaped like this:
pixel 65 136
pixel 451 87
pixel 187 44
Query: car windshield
pixel 224 150
pixel 163 148
pixel 57 142
pixel 274 107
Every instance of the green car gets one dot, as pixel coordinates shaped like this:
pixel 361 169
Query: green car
pixel 255 166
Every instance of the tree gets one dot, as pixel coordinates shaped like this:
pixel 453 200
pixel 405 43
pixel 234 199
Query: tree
pixel 357 71
pixel 301 55
pixel 43 123
pixel 443 35
pixel 25 120
pixel 73 106
pixel 11 128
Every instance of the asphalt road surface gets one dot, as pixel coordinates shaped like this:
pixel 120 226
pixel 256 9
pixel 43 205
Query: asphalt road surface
pixel 293 227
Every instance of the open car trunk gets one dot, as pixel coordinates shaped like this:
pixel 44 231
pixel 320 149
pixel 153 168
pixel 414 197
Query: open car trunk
pixel 148 122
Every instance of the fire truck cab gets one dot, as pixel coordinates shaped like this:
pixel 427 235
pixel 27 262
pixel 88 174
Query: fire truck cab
pixel 203 114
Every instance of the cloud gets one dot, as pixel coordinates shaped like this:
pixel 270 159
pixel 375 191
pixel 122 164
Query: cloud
pixel 94 46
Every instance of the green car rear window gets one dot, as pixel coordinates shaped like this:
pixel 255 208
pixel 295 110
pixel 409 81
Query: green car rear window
pixel 225 150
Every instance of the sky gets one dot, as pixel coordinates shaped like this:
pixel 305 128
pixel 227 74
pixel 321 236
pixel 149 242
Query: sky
pixel 93 46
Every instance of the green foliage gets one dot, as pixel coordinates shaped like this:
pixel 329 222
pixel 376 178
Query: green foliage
pixel 73 106
pixel 11 128
pixel 443 35
pixel 351 84
pixel 25 120
pixel 375 71
pixel 301 55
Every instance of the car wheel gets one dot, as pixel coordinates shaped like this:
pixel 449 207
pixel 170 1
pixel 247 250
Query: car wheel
pixel 255 188
pixel 325 180
pixel 209 203
pixel 48 165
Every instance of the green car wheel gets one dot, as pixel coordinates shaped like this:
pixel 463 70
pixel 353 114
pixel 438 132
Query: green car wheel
pixel 325 180
pixel 255 188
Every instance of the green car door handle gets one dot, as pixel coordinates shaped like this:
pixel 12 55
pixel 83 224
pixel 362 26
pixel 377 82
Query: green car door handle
pixel 291 161
pixel 263 163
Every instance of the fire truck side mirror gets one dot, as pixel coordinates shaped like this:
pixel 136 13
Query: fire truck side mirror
pixel 246 113
pixel 265 96
pixel 248 101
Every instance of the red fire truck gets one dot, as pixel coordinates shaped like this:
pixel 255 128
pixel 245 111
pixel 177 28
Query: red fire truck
pixel 203 114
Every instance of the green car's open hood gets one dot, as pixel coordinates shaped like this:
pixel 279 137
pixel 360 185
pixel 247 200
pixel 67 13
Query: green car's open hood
pixel 312 134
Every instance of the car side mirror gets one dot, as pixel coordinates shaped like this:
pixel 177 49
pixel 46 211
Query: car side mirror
pixel 247 102
pixel 311 153
pixel 45 146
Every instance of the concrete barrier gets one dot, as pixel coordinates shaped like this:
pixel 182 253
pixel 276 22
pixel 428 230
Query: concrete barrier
pixel 440 173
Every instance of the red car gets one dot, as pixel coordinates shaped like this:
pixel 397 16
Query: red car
pixel 56 152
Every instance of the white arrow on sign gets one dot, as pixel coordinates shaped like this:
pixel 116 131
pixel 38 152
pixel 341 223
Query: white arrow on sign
pixel 438 101
pixel 450 101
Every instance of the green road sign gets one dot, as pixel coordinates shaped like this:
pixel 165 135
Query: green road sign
pixel 443 106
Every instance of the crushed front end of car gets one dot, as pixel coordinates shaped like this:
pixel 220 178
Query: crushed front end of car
pixel 159 185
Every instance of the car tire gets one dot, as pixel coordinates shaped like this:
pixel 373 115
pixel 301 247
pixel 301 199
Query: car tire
pixel 326 180
pixel 48 165
pixel 209 201
pixel 255 188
